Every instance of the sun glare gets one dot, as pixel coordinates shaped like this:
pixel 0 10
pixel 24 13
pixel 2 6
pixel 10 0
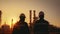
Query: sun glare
pixel 12 22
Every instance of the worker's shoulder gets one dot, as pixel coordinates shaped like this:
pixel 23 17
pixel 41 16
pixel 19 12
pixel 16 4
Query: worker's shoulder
pixel 46 21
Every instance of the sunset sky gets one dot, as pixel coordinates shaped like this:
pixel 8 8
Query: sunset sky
pixel 11 9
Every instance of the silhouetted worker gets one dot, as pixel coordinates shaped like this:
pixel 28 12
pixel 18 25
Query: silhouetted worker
pixel 21 27
pixel 41 25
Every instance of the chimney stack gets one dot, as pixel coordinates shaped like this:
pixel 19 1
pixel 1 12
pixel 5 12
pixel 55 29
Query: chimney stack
pixel 30 17
pixel 0 16
pixel 12 23
pixel 34 15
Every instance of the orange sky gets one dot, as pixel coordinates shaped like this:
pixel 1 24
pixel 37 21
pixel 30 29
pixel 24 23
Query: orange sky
pixel 13 8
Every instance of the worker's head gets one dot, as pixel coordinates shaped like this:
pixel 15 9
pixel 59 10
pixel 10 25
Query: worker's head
pixel 41 15
pixel 22 17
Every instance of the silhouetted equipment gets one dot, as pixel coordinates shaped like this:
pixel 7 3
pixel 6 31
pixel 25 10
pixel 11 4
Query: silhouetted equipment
pixel 12 24
pixel 41 25
pixel 30 17
pixel 0 16
pixel 21 27
pixel 35 18
pixel 34 15
pixel 5 29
